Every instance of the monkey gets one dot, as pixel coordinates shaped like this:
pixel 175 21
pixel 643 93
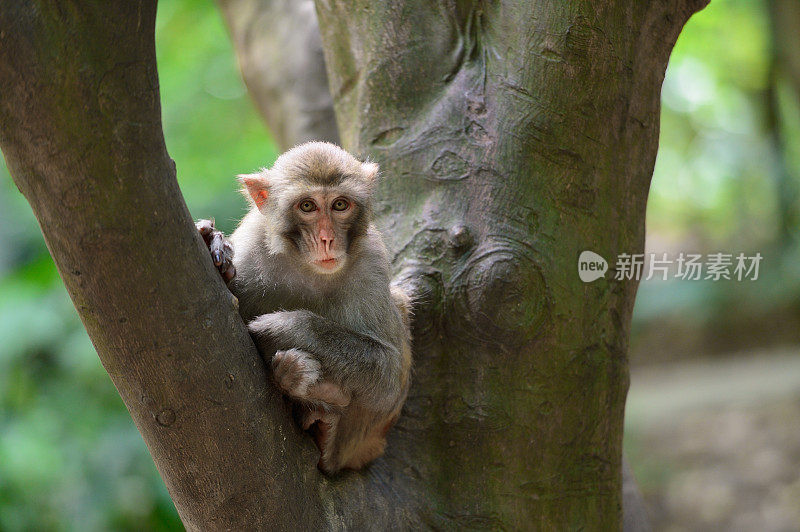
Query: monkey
pixel 313 280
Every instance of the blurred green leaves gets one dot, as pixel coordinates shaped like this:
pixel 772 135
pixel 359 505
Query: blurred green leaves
pixel 712 181
pixel 717 180
pixel 213 132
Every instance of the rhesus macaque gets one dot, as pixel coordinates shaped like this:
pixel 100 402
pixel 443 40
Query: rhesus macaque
pixel 312 277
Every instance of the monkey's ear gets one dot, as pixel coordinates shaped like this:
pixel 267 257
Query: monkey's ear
pixel 370 170
pixel 255 187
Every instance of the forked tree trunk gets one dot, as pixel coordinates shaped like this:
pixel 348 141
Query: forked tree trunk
pixel 512 136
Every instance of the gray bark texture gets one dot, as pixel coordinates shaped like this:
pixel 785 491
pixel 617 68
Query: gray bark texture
pixel 512 136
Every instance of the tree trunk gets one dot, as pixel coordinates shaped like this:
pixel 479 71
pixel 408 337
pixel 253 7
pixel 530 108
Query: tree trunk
pixel 784 72
pixel 512 136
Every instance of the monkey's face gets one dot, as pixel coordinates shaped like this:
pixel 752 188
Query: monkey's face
pixel 323 226
pixel 316 201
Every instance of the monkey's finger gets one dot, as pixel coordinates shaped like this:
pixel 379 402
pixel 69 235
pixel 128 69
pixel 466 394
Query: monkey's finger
pixel 287 370
pixel 226 268
pixel 205 228
pixel 329 393
pixel 230 273
pixel 278 367
pixel 217 248
pixel 312 417
pixel 284 367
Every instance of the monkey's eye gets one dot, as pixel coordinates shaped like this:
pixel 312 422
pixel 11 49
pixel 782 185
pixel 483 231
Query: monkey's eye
pixel 307 206
pixel 340 204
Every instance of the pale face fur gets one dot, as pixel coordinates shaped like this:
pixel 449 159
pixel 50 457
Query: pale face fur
pixel 316 201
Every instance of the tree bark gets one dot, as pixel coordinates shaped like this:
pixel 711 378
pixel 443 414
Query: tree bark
pixel 512 135
pixel 80 128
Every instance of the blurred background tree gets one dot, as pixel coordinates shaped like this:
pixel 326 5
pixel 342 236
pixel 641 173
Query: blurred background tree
pixel 713 414
pixel 726 179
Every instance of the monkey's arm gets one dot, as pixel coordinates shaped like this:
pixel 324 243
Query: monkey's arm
pixel 361 364
pixel 220 248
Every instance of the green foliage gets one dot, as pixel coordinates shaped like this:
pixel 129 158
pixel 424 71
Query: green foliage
pixel 716 185
pixel 70 457
pixel 211 127
pixel 712 176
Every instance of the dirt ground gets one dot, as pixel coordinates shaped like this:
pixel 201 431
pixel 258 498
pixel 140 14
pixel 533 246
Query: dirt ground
pixel 715 445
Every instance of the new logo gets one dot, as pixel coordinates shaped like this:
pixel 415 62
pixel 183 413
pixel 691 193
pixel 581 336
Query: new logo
pixel 591 266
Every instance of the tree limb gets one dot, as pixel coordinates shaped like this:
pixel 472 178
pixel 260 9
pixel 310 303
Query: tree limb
pixel 80 128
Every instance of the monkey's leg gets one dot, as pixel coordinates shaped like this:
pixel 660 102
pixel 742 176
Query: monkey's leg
pixel 322 425
pixel 359 363
pixel 220 248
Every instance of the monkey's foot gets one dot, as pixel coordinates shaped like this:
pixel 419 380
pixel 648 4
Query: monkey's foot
pixel 322 426
pixel 328 394
pixel 295 372
pixel 219 247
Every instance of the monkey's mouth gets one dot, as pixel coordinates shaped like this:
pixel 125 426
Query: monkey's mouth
pixel 327 264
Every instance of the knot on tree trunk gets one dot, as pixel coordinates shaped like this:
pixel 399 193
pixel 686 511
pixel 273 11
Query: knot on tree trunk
pixel 499 296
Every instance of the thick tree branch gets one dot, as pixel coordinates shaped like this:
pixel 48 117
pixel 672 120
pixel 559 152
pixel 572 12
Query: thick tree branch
pixel 80 129
pixel 280 55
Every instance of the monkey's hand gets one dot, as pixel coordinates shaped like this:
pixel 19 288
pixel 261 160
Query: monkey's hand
pixel 220 248
pixel 299 375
